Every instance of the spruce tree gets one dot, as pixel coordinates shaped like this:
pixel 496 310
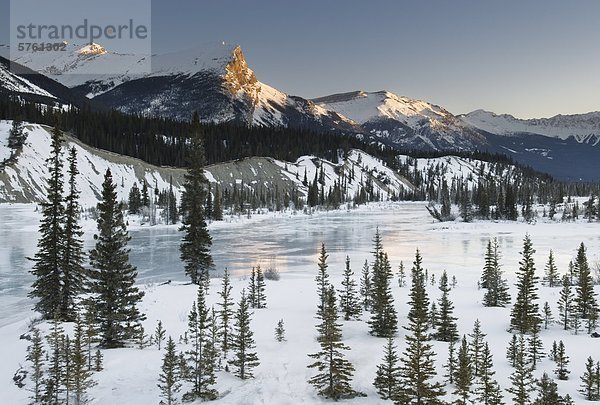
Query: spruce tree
pixel 252 290
pixel 261 297
pixel 551 276
pixel 446 322
pixel 159 334
pixel 521 377
pixel 201 357
pixel 463 375
pixel 49 258
pixel 349 302
pixel 322 279
pixel 588 381
pixel 566 303
pixel 562 360
pixel 365 287
pixel 80 380
pixel 476 347
pixel 388 377
pixel 525 316
pixel 450 365
pixel 487 391
pixel 280 331
pixel 196 242
pixel 496 294
pixel 36 356
pixel 548 318
pixel 115 296
pixel 535 348
pixel 334 371
pixel 401 275
pixel 225 312
pixel 547 392
pixel 384 321
pixel 242 343
pixel 511 350
pixel 418 367
pixel 168 379
pixel 587 305
pixel 56 368
pixel 91 331
pixel 74 275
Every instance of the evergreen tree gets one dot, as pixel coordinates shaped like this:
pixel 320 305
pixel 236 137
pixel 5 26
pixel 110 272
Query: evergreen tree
pixel 80 380
pixel 562 360
pixel 91 331
pixel 242 343
pixel 551 276
pixel 252 290
pixel 476 347
pixel 98 357
pixel 525 316
pixel 418 360
pixel 548 318
pixel 36 356
pixel 365 287
pixel 587 305
pixel 171 205
pixel 322 279
pixel 511 351
pixel 201 357
pixel 349 302
pixel 588 381
pixel 496 294
pixel 168 380
pixel 225 312
pixel 280 331
pixel 446 322
pixel 218 207
pixel 450 365
pixel 74 275
pixel 196 242
pixel 261 298
pixel 113 277
pixel 56 368
pixel 384 321
pixel 463 376
pixel 334 371
pixel 521 377
pixel 566 302
pixel 535 348
pixel 547 392
pixel 134 202
pixel 401 275
pixel 49 259
pixel 388 377
pixel 16 134
pixel 487 390
pixel 159 334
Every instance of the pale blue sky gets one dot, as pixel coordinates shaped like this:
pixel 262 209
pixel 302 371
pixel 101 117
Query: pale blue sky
pixel 531 58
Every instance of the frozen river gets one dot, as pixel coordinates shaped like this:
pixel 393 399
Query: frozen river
pixel 291 243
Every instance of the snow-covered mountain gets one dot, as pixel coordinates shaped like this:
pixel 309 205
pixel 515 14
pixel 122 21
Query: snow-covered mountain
pixel 404 122
pixel 23 172
pixel 584 128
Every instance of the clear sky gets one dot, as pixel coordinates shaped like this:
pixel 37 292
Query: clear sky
pixel 533 58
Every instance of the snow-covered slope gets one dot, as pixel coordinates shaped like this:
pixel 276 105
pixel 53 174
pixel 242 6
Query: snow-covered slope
pixel 10 82
pixel 23 179
pixel 402 121
pixel 585 128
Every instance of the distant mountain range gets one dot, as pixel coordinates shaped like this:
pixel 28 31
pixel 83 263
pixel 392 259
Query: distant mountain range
pixel 216 81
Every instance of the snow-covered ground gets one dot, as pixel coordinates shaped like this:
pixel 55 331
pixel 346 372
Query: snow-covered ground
pixel 291 242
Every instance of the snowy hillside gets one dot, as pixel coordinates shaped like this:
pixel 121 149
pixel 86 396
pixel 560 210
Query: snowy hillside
pixel 585 128
pixel 10 82
pixel 23 180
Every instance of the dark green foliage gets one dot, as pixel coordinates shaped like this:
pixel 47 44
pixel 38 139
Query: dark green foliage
pixel 242 342
pixel 388 377
pixel 74 276
pixel 562 360
pixel 521 378
pixel 322 279
pixel 261 298
pixel 134 202
pixel 280 331
pixel 365 287
pixel 384 321
pixel 349 301
pixel 590 384
pixel 16 135
pixel 566 303
pixel 334 371
pixel 525 316
pixel 476 347
pixel 547 392
pixel 56 366
pixel 80 376
pixel 115 296
pixel 159 334
pixel 418 367
pixel 487 390
pixel 252 288
pixel 496 294
pixel 463 375
pixel 450 365
pixel 168 379
pixel 587 305
pixel 535 348
pixel 551 276
pixel 511 351
pixel 446 322
pixel 48 260
pixel 548 318
pixel 225 312
pixel 36 356
pixel 196 242
pixel 98 357
pixel 401 275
